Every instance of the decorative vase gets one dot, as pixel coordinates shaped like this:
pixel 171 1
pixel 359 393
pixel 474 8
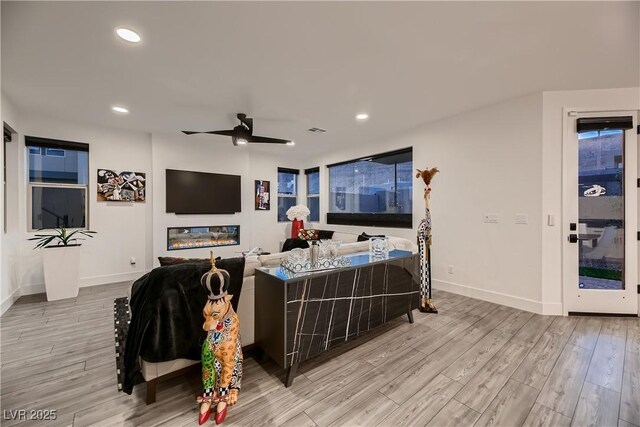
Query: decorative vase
pixel 61 271
pixel 296 225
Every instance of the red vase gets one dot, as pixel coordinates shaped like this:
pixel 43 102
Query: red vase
pixel 295 227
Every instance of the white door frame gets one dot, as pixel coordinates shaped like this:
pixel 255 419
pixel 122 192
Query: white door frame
pixel 595 300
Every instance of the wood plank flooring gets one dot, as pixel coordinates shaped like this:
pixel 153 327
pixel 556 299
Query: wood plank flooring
pixel 474 363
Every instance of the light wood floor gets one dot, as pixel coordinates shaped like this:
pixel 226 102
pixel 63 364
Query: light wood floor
pixel 475 363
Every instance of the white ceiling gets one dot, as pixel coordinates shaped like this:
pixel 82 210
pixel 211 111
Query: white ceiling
pixel 297 65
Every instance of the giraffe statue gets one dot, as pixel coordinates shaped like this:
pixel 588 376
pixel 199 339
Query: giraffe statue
pixel 424 245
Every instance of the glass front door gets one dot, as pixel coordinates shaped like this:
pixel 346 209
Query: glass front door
pixel 600 208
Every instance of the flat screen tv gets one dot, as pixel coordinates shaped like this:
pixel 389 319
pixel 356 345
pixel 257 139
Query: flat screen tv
pixel 202 193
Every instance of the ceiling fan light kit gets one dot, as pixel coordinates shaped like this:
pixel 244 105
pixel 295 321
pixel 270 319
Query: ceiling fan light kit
pixel 243 133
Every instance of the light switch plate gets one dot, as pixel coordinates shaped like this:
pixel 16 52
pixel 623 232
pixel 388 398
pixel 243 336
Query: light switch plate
pixel 491 218
pixel 522 219
pixel 551 220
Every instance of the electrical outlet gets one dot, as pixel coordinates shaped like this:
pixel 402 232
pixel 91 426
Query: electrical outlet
pixel 450 269
pixel 491 218
pixel 522 219
pixel 132 260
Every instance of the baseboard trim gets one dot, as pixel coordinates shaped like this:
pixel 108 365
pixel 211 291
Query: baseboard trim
pixel 490 296
pixel 86 282
pixel 37 288
pixel 9 300
pixel 111 278
pixel 552 308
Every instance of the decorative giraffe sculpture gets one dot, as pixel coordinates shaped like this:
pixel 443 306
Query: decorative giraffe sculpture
pixel 424 245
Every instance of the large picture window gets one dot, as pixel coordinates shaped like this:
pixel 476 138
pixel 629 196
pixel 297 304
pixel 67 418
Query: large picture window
pixel 372 191
pixel 287 191
pixel 58 183
pixel 313 193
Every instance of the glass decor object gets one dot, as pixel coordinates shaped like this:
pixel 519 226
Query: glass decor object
pixel 324 248
pixel 333 247
pixel 379 247
pixel 202 237
pixel 297 256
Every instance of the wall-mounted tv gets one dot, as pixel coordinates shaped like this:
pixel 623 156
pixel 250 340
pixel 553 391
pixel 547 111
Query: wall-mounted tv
pixel 202 193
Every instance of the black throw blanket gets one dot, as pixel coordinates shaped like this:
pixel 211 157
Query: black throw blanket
pixel 166 314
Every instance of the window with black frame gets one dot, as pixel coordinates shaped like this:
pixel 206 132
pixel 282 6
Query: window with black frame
pixel 287 191
pixel 313 193
pixel 58 183
pixel 372 191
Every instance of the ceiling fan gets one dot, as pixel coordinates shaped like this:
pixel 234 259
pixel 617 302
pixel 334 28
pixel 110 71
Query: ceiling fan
pixel 243 133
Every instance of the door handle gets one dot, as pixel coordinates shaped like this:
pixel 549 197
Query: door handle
pixel 573 238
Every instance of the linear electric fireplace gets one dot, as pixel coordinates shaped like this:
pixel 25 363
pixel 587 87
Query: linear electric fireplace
pixel 202 237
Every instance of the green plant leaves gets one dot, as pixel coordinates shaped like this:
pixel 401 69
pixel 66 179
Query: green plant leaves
pixel 61 237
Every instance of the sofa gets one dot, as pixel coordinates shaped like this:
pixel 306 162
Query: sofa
pixel 155 372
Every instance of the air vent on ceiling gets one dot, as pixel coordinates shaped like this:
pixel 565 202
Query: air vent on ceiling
pixel 317 130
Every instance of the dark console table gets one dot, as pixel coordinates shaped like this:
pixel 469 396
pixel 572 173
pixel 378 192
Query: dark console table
pixel 299 315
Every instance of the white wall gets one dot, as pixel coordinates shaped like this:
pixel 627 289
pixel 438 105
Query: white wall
pixel 504 159
pixel 552 238
pixel 9 289
pixel 490 161
pixel 136 230
pixel 124 229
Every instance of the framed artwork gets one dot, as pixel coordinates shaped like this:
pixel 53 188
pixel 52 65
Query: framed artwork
pixel 262 195
pixel 202 237
pixel 124 186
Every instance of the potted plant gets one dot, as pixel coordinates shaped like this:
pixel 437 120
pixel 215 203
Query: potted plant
pixel 61 261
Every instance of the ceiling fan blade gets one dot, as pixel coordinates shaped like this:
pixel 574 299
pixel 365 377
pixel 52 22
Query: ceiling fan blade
pixel 267 140
pixel 215 132
pixel 222 132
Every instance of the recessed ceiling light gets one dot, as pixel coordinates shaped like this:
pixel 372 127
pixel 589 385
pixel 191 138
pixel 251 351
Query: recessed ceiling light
pixel 362 116
pixel 120 109
pixel 291 143
pixel 128 35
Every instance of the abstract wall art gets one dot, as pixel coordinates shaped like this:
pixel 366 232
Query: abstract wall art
pixel 262 195
pixel 124 186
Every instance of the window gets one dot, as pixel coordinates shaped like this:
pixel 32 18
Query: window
pixel 287 191
pixel 372 191
pixel 58 183
pixel 313 193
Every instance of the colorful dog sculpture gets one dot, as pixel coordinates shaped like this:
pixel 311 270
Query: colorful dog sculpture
pixel 222 350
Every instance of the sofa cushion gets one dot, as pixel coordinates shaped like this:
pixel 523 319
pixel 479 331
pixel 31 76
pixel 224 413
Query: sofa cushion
pixel 168 260
pixel 273 260
pixel 352 248
pixel 325 234
pixel 403 244
pixel 345 237
pixel 250 265
pixel 293 244
pixel 308 234
pixel 364 236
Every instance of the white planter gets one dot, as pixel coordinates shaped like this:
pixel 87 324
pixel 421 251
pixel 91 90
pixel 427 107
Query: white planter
pixel 61 271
